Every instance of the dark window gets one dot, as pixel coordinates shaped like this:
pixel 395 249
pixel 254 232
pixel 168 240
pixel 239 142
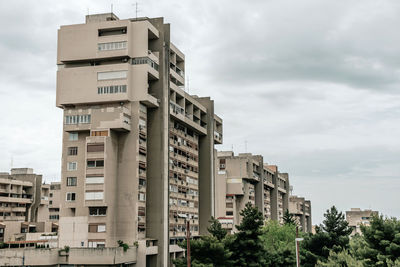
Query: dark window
pixel 95 163
pixel 71 196
pixel 71 181
pixel 112 31
pixel 97 211
pixel 73 151
pixel 229 213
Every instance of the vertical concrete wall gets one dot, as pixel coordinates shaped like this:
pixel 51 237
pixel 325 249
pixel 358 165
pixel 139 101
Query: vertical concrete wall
pixel 157 146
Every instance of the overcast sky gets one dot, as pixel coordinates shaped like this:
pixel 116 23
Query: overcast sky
pixel 313 86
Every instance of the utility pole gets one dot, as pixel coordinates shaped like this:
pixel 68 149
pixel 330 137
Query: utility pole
pixel 188 242
pixel 297 247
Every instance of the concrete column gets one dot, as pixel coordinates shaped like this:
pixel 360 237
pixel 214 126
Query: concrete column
pixel 274 197
pixel 157 208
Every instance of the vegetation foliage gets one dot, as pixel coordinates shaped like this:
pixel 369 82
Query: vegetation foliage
pixel 258 243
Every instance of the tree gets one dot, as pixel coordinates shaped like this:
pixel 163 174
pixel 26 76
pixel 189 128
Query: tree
pixel 338 229
pixel 289 218
pixel 216 230
pixel 331 235
pixel 208 251
pixel 381 246
pixel 343 259
pixel 279 244
pixel 246 246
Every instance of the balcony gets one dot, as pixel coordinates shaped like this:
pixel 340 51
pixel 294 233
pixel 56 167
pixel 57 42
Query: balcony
pixel 117 118
pixel 217 137
pixel 178 112
pixel 16 199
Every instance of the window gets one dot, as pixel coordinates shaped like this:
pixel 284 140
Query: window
pixel 145 60
pixel 97 228
pixel 111 46
pixel 71 181
pixel 95 147
pixel 112 31
pixel 95 163
pixel 71 196
pixel 112 75
pixel 94 195
pixel 72 166
pixel 111 89
pixel 222 164
pixel 73 136
pixel 99 133
pixel 77 119
pixel 73 151
pixel 229 213
pixel 95 180
pixel 97 211
pixel 54 217
pixel 96 244
pixel 142 197
pixel 51 195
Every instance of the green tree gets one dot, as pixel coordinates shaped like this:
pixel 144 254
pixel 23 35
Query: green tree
pixel 288 218
pixel 279 244
pixel 381 246
pixel 216 230
pixel 208 251
pixel 340 259
pixel 331 235
pixel 338 229
pixel 246 246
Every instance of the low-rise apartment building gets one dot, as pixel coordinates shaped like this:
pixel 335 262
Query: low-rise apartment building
pixel 357 217
pixel 24 208
pixel 246 178
pixel 301 209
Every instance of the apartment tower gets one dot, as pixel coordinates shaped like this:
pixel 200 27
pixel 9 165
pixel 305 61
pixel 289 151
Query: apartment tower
pixel 138 151
pixel 246 178
pixel 301 210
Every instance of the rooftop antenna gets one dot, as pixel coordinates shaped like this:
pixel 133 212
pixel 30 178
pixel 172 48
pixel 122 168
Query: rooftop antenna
pixel 111 10
pixel 232 147
pixel 12 163
pixel 245 146
pixel 136 9
pixel 88 11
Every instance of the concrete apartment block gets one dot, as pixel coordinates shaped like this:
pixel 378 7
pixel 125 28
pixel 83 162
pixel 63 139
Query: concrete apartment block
pixel 138 151
pixel 24 207
pixel 357 217
pixel 245 178
pixel 301 209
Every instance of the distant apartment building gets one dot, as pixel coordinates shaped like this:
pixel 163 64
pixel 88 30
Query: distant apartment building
pixel 24 207
pixel 357 217
pixel 20 195
pixel 246 178
pixel 301 209
pixel 138 151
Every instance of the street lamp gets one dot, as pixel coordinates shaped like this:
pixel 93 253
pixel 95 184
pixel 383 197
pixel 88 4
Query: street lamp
pixel 297 240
